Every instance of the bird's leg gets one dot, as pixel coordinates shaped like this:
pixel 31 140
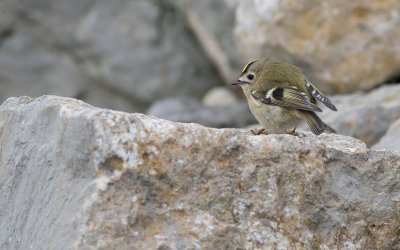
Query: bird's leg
pixel 255 131
pixel 292 132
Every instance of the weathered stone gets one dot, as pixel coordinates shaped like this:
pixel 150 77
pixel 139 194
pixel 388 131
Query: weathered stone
pixel 80 177
pixel 341 45
pixel 391 140
pixel 191 110
pixel 365 116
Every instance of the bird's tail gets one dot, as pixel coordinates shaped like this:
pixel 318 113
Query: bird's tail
pixel 319 96
pixel 315 123
pixel 329 129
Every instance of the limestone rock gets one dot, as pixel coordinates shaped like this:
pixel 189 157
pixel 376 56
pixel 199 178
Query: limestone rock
pixel 365 116
pixel 85 178
pixel 341 45
pixel 391 140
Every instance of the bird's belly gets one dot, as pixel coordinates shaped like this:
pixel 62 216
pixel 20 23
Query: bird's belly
pixel 275 119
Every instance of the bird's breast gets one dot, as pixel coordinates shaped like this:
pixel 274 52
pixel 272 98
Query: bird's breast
pixel 274 119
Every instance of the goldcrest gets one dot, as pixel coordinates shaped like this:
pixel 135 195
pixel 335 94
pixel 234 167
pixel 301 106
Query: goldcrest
pixel 280 97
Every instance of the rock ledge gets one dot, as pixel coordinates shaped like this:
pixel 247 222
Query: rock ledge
pixel 75 176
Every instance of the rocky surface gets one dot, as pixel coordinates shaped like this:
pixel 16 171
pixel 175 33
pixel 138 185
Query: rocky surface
pixel 366 116
pixel 391 139
pixel 342 46
pixel 80 177
pixel 117 54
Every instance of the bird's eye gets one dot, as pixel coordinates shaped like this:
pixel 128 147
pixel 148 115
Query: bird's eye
pixel 250 76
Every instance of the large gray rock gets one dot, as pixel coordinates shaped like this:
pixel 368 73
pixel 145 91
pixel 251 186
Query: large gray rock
pixel 117 54
pixel 36 55
pixel 77 177
pixel 341 45
pixel 365 116
pixel 144 48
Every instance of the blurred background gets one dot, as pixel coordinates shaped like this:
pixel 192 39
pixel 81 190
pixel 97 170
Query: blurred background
pixel 174 58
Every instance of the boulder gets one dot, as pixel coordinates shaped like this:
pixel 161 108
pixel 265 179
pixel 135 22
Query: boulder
pixel 365 116
pixel 77 177
pixel 341 45
pixel 116 54
pixel 144 48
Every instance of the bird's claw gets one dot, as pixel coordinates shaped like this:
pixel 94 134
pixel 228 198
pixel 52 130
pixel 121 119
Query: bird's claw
pixel 261 131
pixel 292 132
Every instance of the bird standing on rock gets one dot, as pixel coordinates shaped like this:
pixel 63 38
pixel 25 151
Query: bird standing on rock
pixel 280 97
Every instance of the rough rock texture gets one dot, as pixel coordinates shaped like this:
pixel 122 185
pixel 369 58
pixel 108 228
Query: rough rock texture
pixel 366 116
pixel 191 110
pixel 391 140
pixel 118 54
pixel 341 45
pixel 81 177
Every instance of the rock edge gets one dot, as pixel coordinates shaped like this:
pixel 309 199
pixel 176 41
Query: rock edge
pixel 81 177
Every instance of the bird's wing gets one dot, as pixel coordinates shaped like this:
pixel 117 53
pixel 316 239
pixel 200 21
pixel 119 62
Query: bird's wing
pixel 319 96
pixel 288 97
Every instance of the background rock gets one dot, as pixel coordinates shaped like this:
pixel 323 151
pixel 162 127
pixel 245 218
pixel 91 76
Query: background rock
pixel 191 110
pixel 107 179
pixel 391 140
pixel 116 54
pixel 342 46
pixel 128 55
pixel 219 96
pixel 218 18
pixel 366 116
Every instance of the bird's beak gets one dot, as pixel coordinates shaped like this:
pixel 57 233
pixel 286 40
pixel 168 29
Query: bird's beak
pixel 238 82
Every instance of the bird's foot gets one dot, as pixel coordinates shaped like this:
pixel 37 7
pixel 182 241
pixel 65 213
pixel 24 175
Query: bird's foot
pixel 292 132
pixel 261 131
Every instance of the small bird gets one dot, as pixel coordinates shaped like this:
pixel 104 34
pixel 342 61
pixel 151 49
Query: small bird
pixel 280 97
